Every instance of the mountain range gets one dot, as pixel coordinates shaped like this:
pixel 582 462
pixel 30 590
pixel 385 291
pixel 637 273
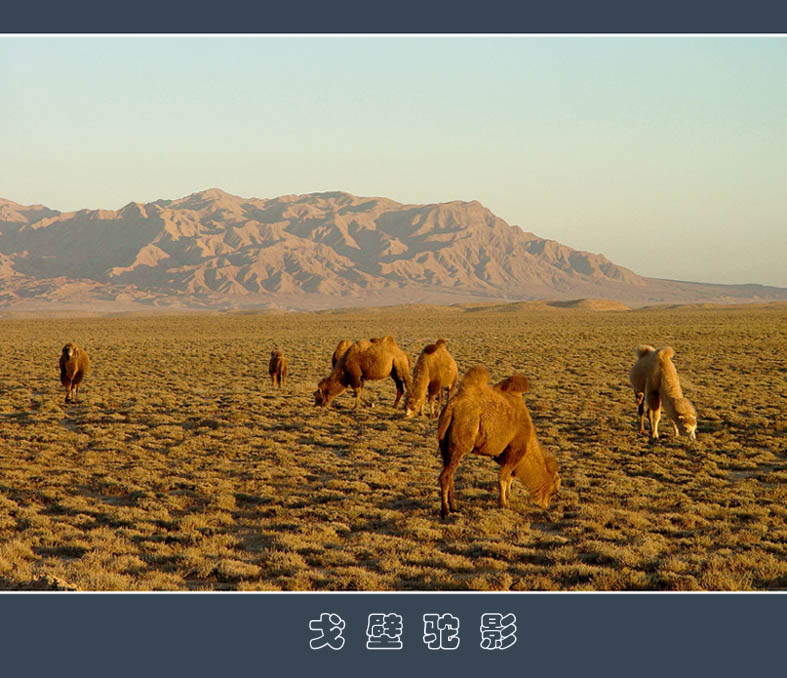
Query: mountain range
pixel 213 250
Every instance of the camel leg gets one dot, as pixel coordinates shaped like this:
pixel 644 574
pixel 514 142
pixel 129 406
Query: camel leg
pixel 640 397
pixel 451 457
pixel 439 402
pixel 505 488
pixel 399 388
pixel 451 501
pixel 654 413
pixel 503 482
pixel 357 396
pixel 447 488
pixel 675 428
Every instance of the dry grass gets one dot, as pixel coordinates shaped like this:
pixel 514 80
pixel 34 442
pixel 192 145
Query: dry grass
pixel 183 469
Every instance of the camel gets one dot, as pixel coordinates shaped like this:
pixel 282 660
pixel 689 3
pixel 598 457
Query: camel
pixel 435 370
pixel 656 385
pixel 341 348
pixel 74 365
pixel 366 361
pixel 495 422
pixel 277 368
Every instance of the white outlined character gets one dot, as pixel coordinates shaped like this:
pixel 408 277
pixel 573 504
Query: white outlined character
pixel 498 632
pixel 330 626
pixel 384 631
pixel 441 631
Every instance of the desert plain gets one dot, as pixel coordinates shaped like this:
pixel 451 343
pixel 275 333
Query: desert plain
pixel 183 469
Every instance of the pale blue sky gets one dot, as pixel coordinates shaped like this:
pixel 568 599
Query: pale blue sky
pixel 668 155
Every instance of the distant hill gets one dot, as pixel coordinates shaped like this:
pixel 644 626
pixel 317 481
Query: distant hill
pixel 212 250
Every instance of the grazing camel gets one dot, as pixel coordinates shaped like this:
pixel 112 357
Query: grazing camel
pixel 495 422
pixel 656 385
pixel 435 370
pixel 277 368
pixel 366 361
pixel 74 365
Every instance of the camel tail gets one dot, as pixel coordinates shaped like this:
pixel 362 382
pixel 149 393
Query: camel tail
pixel 444 423
pixel 444 436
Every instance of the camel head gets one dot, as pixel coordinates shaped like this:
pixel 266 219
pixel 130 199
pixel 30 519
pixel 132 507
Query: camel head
pixel 687 425
pixel 542 484
pixel 326 391
pixel 542 497
pixel 319 398
pixel 412 405
pixel 686 421
pixel 69 350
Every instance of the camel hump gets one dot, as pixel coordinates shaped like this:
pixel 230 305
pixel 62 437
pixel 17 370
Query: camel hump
pixel 666 353
pixel 387 339
pixel 643 349
pixel 440 343
pixel 516 383
pixel 475 376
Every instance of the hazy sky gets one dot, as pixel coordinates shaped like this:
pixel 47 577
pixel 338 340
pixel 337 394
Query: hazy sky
pixel 668 155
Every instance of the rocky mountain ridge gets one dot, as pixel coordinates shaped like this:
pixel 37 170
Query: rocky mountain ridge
pixel 214 250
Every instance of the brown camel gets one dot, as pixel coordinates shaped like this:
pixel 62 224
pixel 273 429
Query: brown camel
pixel 366 361
pixel 277 368
pixel 74 365
pixel 495 422
pixel 435 370
pixel 656 385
